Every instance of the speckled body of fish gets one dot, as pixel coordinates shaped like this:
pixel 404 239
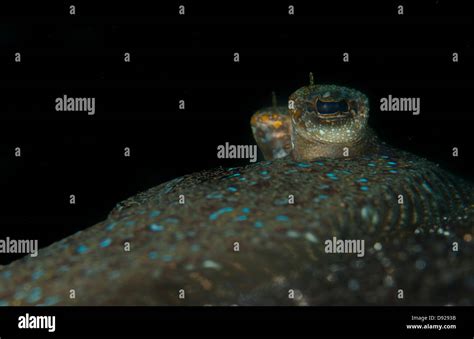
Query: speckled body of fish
pixel 256 236
pixel 190 246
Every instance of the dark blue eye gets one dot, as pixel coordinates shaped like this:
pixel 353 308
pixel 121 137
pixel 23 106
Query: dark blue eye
pixel 331 107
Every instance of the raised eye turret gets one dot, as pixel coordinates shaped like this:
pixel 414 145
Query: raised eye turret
pixel 322 121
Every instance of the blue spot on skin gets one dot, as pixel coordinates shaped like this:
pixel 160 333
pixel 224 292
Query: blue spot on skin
pixel 292 234
pixel 215 195
pixel 153 255
pixel 154 214
pixel 384 156
pixel 241 218
pixel 82 249
pixel 3 303
pixel 34 296
pixel 281 202
pixel 392 163
pixel 319 163
pixel 223 210
pixel 130 223
pixel 156 228
pixel 393 171
pixel 242 179
pixel 281 218
pixel 246 210
pixel 7 274
pixel 171 220
pixel 323 196
pixel 264 172
pixel 303 165
pixel 427 187
pixel 106 242
pixel 37 274
pixel 371 164
pixel 114 275
pixel 233 175
pixel 258 224
pixel 20 295
pixel 362 180
pixel 111 226
pixel 232 189
pixel 364 188
pixel 331 176
pixel 167 258
pixel 63 269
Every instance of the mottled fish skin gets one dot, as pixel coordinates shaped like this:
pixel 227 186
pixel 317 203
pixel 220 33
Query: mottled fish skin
pixel 190 246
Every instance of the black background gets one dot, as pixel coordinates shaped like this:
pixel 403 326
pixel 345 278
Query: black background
pixel 191 57
pixel 238 322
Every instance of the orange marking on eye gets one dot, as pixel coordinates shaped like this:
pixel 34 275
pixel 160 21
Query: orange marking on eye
pixel 277 124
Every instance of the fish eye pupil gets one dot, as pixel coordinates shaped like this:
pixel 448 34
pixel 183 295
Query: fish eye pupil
pixel 331 107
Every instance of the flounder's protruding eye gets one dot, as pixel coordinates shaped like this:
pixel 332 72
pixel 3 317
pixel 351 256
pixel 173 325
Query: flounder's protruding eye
pixel 326 116
pixel 331 107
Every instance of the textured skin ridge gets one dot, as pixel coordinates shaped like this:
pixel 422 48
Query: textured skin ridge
pixel 191 246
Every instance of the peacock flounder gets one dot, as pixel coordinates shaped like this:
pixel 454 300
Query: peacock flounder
pixel 332 217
